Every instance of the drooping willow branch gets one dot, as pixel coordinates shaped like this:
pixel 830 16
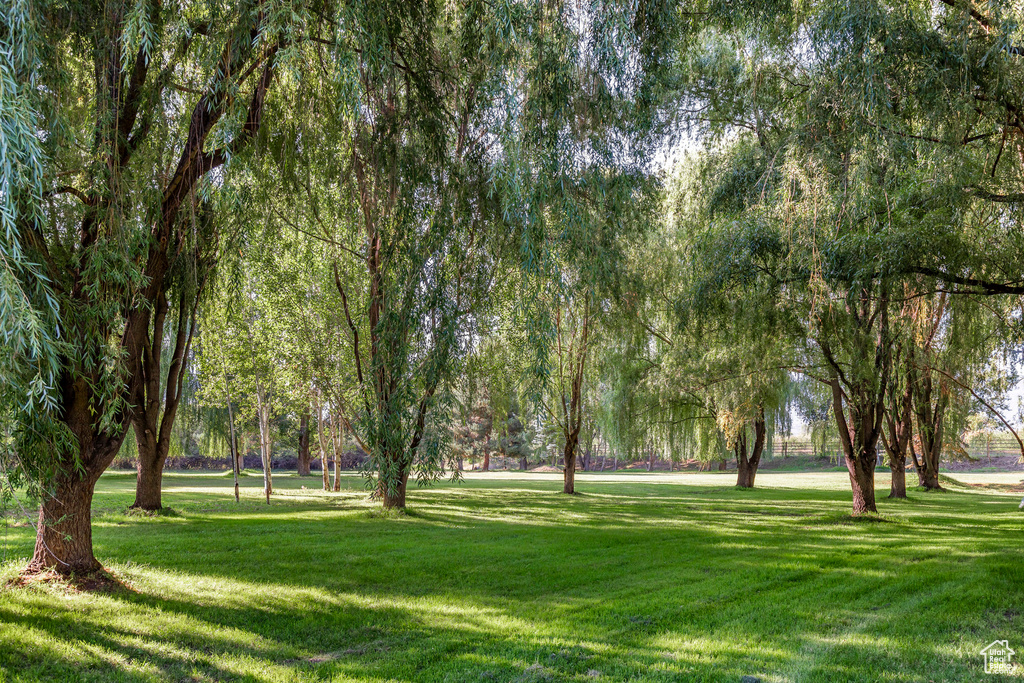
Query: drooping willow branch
pixel 982 402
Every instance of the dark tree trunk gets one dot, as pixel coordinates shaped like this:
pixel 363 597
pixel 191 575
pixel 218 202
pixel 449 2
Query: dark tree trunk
pixel 522 464
pixel 64 541
pixel 862 481
pixel 723 465
pixel 154 418
pixel 149 480
pixel 324 469
pixel 236 467
pixel 860 445
pixel 569 459
pixel 896 439
pixel 64 533
pixel 898 488
pixel 64 529
pixel 395 500
pixel 858 394
pixel 303 453
pixel 930 409
pixel 487 461
pixel 746 466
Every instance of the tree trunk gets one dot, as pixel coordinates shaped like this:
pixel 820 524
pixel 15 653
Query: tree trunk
pixel 149 479
pixel 746 466
pixel 899 426
pixel 858 397
pixel 303 452
pixel 323 446
pixel 898 488
pixel 930 407
pixel 487 461
pixel 396 500
pixel 263 410
pixel 723 465
pixel 859 445
pixel 615 463
pixel 338 443
pixel 233 443
pixel 154 417
pixel 522 464
pixel 569 460
pixel 650 461
pixel 337 472
pixel 64 531
pixel 862 481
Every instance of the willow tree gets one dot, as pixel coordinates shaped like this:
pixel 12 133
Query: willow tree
pixel 435 125
pixel 867 150
pixel 30 345
pixel 137 104
pixel 397 183
pixel 949 108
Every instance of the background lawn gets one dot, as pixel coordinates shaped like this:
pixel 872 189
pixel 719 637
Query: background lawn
pixel 644 577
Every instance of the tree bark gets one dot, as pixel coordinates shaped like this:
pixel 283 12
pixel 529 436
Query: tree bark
pixel 395 500
pixel 263 414
pixel 859 444
pixel 746 466
pixel 723 465
pixel 153 419
pixel 896 439
pixel 303 451
pixel 569 460
pixel 233 445
pixel 64 533
pixel 338 442
pixel 323 445
pixel 149 479
pixel 64 530
pixel 930 407
pixel 862 481
pixel 898 487
pixel 859 388
pixel 487 461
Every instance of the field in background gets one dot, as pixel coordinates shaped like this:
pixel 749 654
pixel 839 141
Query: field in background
pixel 646 577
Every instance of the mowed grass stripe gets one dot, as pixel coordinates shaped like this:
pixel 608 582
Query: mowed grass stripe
pixel 666 577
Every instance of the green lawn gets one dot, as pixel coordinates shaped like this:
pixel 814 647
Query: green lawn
pixel 644 577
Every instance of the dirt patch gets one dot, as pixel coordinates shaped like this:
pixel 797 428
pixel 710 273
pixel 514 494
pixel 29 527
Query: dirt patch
pixel 1002 463
pixel 99 581
pixel 1005 488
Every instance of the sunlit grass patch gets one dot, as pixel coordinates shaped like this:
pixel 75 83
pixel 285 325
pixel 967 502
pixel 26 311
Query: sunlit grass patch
pixel 647 577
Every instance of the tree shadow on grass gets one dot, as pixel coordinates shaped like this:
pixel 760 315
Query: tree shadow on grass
pixel 493 585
